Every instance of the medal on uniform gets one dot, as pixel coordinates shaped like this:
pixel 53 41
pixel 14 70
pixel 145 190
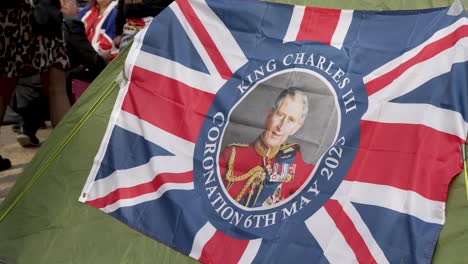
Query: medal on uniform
pixel 282 172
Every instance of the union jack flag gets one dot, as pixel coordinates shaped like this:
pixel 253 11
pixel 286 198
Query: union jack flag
pixel 100 28
pixel 389 204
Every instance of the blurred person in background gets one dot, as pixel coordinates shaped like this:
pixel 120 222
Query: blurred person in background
pixel 133 16
pixel 99 21
pixel 85 65
pixel 29 102
pixel 85 62
pixel 24 51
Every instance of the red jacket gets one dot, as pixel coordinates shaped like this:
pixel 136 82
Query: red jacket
pixel 250 169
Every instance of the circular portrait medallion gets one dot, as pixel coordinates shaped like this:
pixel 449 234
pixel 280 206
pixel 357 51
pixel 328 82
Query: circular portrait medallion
pixel 276 143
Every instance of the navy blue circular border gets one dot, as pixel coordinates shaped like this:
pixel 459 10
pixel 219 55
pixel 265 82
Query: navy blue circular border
pixel 227 98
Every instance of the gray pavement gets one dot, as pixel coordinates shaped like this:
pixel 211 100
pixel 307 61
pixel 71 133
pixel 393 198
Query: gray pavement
pixel 18 155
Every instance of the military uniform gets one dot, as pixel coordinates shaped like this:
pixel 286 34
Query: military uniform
pixel 255 175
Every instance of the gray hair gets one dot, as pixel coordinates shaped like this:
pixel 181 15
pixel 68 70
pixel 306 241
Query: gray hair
pixel 293 92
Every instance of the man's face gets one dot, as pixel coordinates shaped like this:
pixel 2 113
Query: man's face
pixel 284 121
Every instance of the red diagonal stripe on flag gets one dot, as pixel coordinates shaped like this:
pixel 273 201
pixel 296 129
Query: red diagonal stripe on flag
pixel 141 189
pixel 405 156
pixel 426 53
pixel 205 39
pixel 318 24
pixel 167 103
pixel 223 249
pixel 349 232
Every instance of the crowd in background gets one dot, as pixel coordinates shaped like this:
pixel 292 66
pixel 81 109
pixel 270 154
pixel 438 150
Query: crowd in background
pixel 53 50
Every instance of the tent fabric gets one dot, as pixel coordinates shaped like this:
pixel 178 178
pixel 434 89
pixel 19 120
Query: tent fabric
pixel 42 222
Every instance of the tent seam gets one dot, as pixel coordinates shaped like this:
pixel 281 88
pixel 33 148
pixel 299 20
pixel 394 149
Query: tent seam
pixel 42 169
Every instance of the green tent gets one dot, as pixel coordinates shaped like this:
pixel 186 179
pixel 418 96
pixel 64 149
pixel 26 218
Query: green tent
pixel 41 220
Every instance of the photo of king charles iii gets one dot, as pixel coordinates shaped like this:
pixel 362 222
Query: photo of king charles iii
pixel 269 170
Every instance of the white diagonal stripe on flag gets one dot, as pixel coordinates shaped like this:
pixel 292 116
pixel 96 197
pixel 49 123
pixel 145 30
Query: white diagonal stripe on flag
pixel 294 24
pixel 174 70
pixel 251 251
pixel 182 161
pixel 391 65
pixel 334 246
pixel 424 71
pixel 149 196
pixel 195 41
pixel 220 34
pixel 364 231
pixel 138 175
pixel 418 114
pixel 201 238
pixel 406 202
pixel 346 17
pixel 180 147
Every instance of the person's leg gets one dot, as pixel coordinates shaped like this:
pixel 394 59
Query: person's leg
pixel 53 82
pixel 31 122
pixel 31 105
pixel 8 86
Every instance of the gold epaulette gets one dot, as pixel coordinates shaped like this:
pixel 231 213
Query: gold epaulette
pixel 238 145
pixel 286 146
